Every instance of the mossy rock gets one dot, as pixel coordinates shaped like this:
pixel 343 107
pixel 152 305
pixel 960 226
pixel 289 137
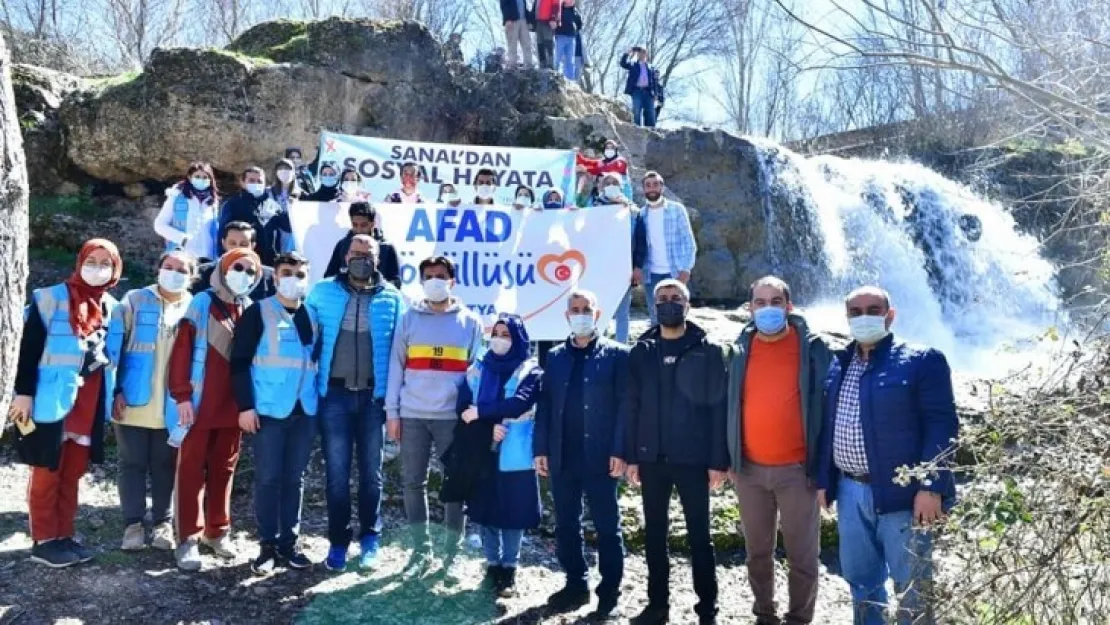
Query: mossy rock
pixel 271 39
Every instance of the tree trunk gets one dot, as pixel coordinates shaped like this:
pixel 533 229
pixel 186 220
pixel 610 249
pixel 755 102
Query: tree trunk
pixel 13 232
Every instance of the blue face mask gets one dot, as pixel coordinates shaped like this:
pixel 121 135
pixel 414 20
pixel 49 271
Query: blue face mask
pixel 770 319
pixel 200 184
pixel 552 204
pixel 329 181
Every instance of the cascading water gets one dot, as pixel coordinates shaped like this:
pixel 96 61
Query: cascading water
pixel 963 279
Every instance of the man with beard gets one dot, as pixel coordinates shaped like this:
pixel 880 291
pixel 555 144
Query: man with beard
pixel 671 246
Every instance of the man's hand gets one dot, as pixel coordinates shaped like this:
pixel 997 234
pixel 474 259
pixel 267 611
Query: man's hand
pixel 684 277
pixel 248 421
pixel 616 467
pixel 117 408
pixel 499 433
pixel 393 430
pixel 637 276
pixel 21 407
pixel 632 473
pixel 717 479
pixel 185 415
pixel 539 463
pixel 470 415
pixel 553 24
pixel 821 501
pixel 926 508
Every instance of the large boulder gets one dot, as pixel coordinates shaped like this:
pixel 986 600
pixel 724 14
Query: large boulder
pixel 38 98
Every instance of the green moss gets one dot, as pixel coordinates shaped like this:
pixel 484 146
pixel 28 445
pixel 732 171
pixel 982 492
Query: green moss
pixel 254 61
pixel 277 40
pixel 108 82
pixel 51 255
pixel 76 205
pixel 537 134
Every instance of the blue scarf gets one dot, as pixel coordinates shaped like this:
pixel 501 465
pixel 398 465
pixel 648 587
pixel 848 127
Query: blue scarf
pixel 497 369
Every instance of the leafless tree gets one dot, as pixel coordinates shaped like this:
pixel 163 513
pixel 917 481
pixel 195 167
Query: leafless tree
pixel 442 17
pixel 137 27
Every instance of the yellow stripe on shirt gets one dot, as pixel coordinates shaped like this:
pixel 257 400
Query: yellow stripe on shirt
pixel 438 351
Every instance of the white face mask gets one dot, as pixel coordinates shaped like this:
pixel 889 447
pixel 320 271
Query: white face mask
pixel 613 192
pixel 450 196
pixel 256 188
pixel 292 287
pixel 172 281
pixel 582 325
pixel 96 275
pixel 868 329
pixel 350 188
pixel 500 346
pixel 523 200
pixel 285 175
pixel 610 153
pixel 239 282
pixel 485 191
pixel 436 290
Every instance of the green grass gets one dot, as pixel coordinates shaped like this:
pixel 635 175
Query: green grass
pixel 115 81
pixel 254 61
pixel 76 205
pixel 53 255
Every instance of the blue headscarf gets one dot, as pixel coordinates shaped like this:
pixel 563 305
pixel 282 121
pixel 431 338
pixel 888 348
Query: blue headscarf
pixel 496 369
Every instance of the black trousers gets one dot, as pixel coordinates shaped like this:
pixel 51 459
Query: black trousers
pixel 658 481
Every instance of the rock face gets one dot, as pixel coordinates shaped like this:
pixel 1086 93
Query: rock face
pixel 38 97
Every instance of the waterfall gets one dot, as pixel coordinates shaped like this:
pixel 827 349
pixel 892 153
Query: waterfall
pixel 961 276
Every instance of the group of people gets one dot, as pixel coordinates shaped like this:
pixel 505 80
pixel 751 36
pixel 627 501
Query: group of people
pixel 182 368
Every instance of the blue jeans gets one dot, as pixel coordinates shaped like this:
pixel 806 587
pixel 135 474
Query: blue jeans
pixel 564 56
pixel 352 421
pixel 502 547
pixel 643 107
pixel 281 451
pixel 652 280
pixel 623 316
pixel 875 545
pixel 567 490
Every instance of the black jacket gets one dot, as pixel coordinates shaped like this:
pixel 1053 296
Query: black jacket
pixel 570 23
pixel 266 286
pixel 249 332
pixel 633 68
pixel 388 264
pixel 246 207
pixel 509 12
pixel 694 425
pixel 323 194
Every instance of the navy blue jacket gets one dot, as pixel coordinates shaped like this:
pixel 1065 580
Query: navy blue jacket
pixel 908 412
pixel 605 386
pixel 639 240
pixel 633 68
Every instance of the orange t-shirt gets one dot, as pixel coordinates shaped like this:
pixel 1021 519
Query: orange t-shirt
pixel 772 404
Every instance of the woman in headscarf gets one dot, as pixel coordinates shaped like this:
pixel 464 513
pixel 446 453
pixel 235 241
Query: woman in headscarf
pixel 190 216
pixel 64 383
pixel 449 195
pixel 145 417
pixel 328 191
pixel 502 389
pixel 200 383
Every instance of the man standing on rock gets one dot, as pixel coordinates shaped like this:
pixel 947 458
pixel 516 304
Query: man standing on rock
pixel 547 18
pixel 437 341
pixel 776 370
pixel 671 247
pixel 579 442
pixel 273 371
pixel 676 439
pixel 358 312
pixel 889 404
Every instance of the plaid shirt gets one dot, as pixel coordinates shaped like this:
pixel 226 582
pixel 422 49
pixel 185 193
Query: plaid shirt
pixel 682 249
pixel 849 452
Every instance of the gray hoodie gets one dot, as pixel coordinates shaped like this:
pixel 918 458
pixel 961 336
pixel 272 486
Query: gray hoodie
pixel 431 353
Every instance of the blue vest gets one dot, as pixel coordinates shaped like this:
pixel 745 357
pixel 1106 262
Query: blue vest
pixel 180 221
pixel 198 313
pixel 63 355
pixel 136 363
pixel 282 371
pixel 328 300
pixel 516 449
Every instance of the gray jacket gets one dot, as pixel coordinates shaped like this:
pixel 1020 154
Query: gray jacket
pixel 816 354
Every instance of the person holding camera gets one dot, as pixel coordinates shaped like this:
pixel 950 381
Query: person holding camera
pixel 642 85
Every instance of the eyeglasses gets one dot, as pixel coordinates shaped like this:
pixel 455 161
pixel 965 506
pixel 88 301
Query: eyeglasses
pixel 247 269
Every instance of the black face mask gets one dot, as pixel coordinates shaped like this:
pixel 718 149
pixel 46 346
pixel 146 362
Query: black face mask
pixel 671 314
pixel 361 268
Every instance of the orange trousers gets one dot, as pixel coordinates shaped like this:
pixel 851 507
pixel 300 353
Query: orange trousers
pixel 205 470
pixel 52 495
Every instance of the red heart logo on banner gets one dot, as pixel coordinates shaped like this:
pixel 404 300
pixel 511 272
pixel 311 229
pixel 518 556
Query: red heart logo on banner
pixel 559 269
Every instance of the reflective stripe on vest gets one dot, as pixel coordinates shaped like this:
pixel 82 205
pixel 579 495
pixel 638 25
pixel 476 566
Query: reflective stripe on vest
pixel 63 355
pixel 198 313
pixel 282 371
pixel 137 366
pixel 516 449
pixel 329 300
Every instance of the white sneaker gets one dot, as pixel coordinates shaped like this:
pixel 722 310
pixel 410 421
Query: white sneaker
pixel 188 555
pixel 162 537
pixel 134 538
pixel 220 546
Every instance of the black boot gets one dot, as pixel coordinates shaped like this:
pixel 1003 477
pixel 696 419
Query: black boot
pixel 508 582
pixel 492 580
pixel 568 599
pixel 653 615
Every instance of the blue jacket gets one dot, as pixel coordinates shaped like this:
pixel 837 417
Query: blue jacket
pixel 633 68
pixel 139 321
pixel 605 389
pixel 908 413
pixel 515 451
pixel 328 302
pixel 283 371
pixel 59 373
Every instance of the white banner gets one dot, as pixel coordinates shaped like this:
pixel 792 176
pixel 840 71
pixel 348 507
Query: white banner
pixel 380 160
pixel 506 260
